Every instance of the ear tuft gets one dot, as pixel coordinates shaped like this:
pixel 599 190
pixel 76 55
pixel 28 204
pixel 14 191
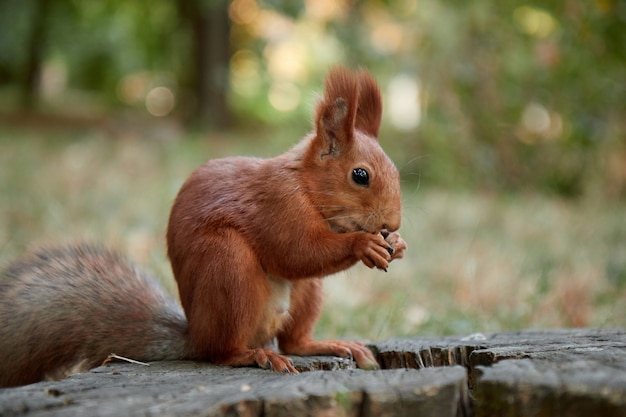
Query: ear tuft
pixel 370 105
pixel 351 101
pixel 336 114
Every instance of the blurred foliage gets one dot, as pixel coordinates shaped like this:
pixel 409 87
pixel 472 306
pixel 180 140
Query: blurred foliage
pixel 476 262
pixel 88 45
pixel 508 95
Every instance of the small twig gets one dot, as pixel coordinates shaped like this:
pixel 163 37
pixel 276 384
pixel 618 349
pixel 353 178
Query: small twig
pixel 113 356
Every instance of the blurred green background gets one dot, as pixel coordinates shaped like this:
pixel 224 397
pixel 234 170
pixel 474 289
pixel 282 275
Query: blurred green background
pixel 506 120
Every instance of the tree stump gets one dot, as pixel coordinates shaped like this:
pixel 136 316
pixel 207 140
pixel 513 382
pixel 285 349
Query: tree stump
pixel 578 372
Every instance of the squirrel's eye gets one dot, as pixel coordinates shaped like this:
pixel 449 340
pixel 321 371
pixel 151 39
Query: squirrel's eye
pixel 360 177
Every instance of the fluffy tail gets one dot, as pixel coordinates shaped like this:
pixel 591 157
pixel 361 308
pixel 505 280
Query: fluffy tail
pixel 64 310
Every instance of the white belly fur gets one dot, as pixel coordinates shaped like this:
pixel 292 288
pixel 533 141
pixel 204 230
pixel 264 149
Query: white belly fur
pixel 276 312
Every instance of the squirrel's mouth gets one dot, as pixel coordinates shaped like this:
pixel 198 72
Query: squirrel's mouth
pixel 351 227
pixel 345 228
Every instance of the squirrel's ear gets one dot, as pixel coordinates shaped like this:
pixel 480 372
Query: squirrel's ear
pixel 370 108
pixel 335 115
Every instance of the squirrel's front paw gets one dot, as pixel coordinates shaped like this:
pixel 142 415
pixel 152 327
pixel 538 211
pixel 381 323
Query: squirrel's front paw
pixel 397 243
pixel 373 250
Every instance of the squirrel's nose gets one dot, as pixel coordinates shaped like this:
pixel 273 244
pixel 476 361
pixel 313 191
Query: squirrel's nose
pixel 391 227
pixel 391 220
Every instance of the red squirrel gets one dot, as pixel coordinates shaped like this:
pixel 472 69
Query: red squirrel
pixel 249 241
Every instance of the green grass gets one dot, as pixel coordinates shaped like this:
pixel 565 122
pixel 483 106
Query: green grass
pixel 476 262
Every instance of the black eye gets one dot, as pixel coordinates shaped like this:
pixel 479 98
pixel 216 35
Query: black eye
pixel 360 177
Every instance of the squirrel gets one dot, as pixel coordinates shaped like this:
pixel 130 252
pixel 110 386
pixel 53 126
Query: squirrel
pixel 249 241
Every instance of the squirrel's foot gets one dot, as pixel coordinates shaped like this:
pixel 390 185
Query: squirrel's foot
pixel 263 358
pixel 363 357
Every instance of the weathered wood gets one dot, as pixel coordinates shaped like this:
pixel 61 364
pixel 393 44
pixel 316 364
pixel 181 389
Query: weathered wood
pixel 528 387
pixel 574 372
pixel 197 389
pixel 579 372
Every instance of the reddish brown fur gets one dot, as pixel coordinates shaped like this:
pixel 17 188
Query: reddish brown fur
pixel 244 232
pixel 249 241
pixel 370 112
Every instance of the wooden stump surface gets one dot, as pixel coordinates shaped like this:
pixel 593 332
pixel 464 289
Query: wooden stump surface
pixel 580 372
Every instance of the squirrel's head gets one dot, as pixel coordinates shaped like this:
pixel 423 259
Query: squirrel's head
pixel 355 185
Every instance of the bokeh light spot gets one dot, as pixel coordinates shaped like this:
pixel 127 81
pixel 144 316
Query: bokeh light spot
pixel 534 21
pixel 404 102
pixel 160 101
pixel 284 96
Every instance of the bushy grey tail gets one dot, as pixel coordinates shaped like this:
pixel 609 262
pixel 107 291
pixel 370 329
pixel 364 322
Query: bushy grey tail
pixel 65 309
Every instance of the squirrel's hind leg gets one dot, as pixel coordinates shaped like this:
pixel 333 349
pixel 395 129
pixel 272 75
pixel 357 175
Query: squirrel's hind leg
pixel 296 338
pixel 227 313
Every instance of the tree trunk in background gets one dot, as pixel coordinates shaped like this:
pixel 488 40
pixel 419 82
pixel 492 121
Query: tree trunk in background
pixel 29 84
pixel 209 25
